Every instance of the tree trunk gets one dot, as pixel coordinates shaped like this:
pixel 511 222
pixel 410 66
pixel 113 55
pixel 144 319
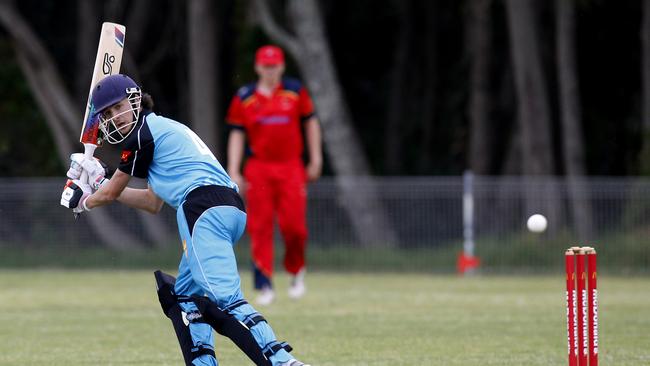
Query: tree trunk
pixel 88 29
pixel 512 161
pixel 478 26
pixel 156 228
pixel 645 98
pixel 137 23
pixel 427 109
pixel 311 51
pixel 532 109
pixel 532 104
pixel 203 71
pixel 572 141
pixel 61 115
pixel 508 160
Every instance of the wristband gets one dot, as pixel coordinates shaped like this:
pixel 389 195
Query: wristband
pixel 84 204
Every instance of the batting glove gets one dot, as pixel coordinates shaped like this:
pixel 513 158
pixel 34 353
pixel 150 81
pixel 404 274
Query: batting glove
pixel 97 172
pixel 75 166
pixel 96 169
pixel 75 194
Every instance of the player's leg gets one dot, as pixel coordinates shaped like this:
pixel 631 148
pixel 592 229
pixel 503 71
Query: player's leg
pixel 292 209
pixel 195 339
pixel 228 325
pixel 222 322
pixel 214 268
pixel 259 207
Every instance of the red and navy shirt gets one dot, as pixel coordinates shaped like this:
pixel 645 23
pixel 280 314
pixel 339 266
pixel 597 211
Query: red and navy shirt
pixel 272 123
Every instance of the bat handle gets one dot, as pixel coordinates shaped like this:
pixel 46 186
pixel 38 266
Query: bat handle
pixel 89 151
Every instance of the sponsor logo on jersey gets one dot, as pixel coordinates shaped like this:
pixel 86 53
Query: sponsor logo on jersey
pixel 125 156
pixel 274 120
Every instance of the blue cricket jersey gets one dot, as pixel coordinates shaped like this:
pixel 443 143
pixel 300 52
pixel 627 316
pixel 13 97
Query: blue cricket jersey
pixel 171 157
pixel 177 164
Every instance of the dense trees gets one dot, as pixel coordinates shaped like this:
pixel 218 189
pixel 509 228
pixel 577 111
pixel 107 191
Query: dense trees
pixel 431 87
pixel 645 98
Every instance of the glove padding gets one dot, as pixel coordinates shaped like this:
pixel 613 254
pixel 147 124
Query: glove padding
pixel 97 170
pixel 98 182
pixel 75 194
pixel 75 166
pixel 166 298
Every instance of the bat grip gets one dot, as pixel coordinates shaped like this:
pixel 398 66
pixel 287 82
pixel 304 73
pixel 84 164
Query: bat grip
pixel 89 151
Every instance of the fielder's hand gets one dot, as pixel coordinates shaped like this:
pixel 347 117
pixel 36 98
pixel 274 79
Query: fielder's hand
pixel 75 194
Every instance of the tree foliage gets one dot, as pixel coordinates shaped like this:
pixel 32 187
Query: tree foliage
pixel 405 69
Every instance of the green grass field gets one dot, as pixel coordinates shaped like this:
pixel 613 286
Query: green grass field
pixel 56 317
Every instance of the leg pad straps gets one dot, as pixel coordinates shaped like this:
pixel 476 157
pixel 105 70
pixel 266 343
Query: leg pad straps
pixel 208 312
pixel 255 318
pixel 273 348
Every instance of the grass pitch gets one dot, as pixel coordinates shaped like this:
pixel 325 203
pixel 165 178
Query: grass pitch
pixel 51 317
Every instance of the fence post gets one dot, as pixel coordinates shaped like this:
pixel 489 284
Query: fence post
pixel 467 261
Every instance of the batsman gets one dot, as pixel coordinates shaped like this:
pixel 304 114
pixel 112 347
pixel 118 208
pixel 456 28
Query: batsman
pixel 181 171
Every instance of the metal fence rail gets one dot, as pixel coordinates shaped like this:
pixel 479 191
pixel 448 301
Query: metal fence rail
pixel 425 213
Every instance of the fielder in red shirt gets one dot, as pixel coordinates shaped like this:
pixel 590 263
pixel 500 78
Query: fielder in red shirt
pixel 269 116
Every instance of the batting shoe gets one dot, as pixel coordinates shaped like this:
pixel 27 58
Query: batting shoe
pixel 265 297
pixel 294 362
pixel 297 287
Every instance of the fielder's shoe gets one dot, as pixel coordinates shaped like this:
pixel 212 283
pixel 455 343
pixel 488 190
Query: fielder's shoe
pixel 265 297
pixel 294 362
pixel 297 287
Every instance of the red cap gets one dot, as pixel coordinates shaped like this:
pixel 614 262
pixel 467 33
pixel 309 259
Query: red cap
pixel 269 55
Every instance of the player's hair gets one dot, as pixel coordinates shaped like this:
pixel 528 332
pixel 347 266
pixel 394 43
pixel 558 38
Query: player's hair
pixel 147 101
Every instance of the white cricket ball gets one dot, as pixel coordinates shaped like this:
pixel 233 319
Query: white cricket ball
pixel 537 223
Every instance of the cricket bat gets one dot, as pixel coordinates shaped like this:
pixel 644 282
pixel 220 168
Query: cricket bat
pixel 107 62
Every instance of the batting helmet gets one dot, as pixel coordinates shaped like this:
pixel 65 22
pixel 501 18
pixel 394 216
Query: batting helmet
pixel 110 91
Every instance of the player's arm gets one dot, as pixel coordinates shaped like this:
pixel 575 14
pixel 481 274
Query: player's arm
pixel 109 191
pixel 313 136
pixel 314 148
pixel 116 190
pixel 236 141
pixel 142 199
